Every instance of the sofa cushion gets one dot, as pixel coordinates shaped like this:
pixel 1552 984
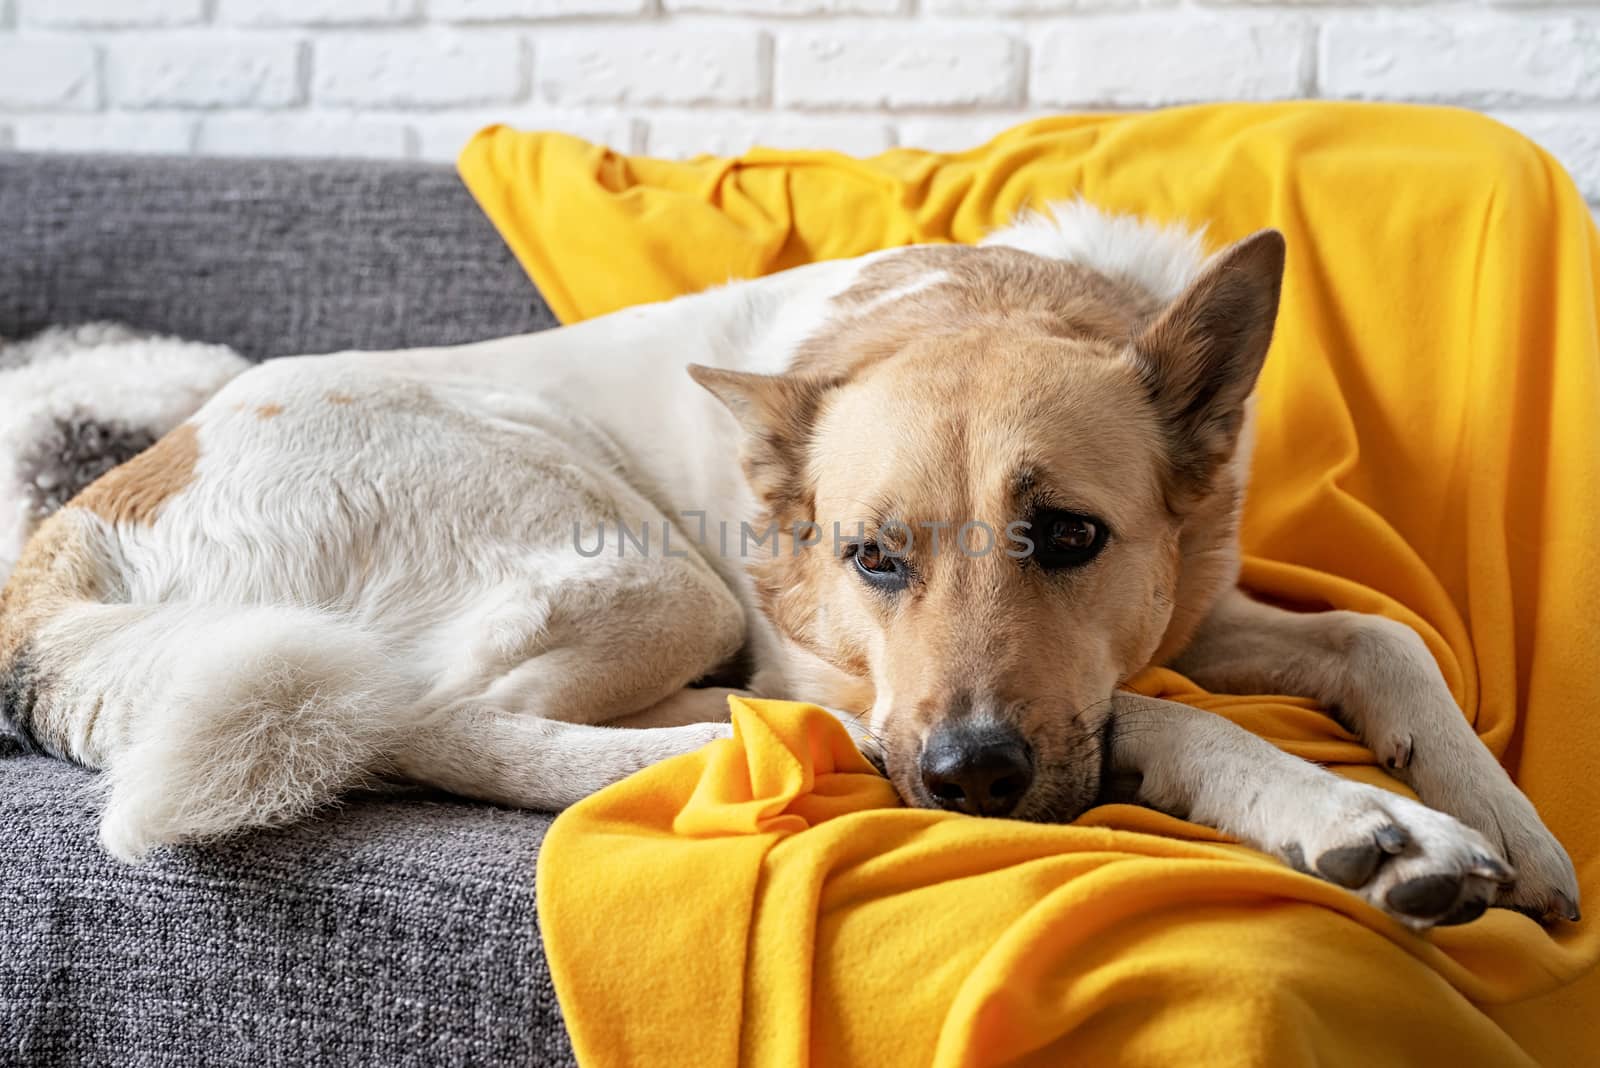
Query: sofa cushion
pixel 398 929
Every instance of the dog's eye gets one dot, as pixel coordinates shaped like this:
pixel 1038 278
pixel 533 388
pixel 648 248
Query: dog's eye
pixel 1065 539
pixel 879 568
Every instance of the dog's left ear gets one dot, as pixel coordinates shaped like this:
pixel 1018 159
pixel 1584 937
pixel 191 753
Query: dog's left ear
pixel 777 414
pixel 1201 357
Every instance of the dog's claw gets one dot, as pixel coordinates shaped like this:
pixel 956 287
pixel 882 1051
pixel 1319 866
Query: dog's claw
pixel 1567 908
pixel 1488 867
pixel 1392 839
pixel 1399 754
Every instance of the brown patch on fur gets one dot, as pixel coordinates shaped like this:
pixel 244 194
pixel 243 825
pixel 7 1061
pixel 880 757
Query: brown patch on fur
pixel 56 568
pixel 340 398
pixel 136 491
pixel 269 411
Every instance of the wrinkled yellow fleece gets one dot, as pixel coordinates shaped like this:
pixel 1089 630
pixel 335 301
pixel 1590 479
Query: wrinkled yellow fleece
pixel 1428 448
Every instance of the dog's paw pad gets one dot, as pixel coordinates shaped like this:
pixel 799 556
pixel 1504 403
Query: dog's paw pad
pixel 1421 866
pixel 1351 866
pixel 1424 896
pixel 1465 911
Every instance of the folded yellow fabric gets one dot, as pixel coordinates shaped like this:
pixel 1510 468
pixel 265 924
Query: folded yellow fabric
pixel 1428 448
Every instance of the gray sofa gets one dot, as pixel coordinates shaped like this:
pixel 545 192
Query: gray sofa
pixel 397 930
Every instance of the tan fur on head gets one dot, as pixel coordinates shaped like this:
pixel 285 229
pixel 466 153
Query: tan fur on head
pixel 989 386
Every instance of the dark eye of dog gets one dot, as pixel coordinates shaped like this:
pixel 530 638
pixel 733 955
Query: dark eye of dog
pixel 1065 539
pixel 878 568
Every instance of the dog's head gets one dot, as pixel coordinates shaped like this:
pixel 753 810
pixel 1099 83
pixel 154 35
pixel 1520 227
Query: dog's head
pixel 1022 483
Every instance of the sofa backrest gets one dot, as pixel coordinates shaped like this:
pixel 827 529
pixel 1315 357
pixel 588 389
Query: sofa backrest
pixel 271 257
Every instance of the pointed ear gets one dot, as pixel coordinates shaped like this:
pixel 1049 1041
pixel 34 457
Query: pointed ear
pixel 1201 356
pixel 777 414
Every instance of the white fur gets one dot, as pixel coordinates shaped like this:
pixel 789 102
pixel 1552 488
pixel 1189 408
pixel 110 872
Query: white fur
pixel 373 570
pixel 1160 259
pixel 97 371
pixel 266 713
pixel 399 565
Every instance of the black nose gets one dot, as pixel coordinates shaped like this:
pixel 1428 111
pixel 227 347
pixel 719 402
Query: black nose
pixel 981 768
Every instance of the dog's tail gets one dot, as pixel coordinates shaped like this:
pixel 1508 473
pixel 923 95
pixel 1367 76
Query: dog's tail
pixel 207 719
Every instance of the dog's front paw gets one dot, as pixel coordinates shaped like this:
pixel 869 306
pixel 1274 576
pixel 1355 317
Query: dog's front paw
pixel 1473 788
pixel 1422 867
pixel 1547 883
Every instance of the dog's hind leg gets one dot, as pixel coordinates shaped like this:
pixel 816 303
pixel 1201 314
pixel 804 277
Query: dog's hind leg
pixel 526 761
pixel 551 692
pixel 1378 677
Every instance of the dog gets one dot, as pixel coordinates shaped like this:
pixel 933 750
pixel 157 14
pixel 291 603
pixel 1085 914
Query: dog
pixel 502 569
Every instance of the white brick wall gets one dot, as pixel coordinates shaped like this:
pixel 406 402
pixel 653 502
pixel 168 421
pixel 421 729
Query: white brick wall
pixel 676 77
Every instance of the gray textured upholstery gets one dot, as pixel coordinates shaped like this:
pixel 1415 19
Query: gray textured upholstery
pixel 273 258
pixel 389 932
pixel 398 930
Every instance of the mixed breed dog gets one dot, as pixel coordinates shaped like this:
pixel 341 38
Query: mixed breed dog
pixel 956 494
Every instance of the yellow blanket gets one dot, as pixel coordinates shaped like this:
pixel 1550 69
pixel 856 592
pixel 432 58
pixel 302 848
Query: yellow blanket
pixel 1429 448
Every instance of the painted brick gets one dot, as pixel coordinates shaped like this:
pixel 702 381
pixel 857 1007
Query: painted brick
pixel 442 136
pixel 680 136
pixel 1235 6
pixel 790 7
pixel 1033 7
pixel 517 10
pixel 315 12
pixel 203 70
pixel 1147 60
pixel 955 133
pixel 660 66
pixel 1459 60
pixel 382 77
pixel 907 68
pixel 140 133
pixel 112 12
pixel 47 74
pixel 292 134
pixel 419 70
